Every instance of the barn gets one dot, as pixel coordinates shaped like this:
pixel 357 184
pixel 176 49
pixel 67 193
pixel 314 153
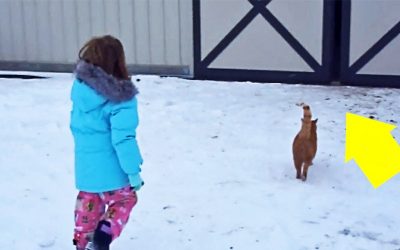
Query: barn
pixel 352 42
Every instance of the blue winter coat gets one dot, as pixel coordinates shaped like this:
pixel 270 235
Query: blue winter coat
pixel 104 118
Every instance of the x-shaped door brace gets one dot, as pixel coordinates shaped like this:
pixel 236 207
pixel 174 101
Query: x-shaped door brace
pixel 260 7
pixel 375 49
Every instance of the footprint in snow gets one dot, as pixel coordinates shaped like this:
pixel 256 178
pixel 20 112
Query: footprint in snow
pixel 47 243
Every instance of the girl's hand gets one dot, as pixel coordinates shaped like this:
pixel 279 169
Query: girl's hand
pixel 136 182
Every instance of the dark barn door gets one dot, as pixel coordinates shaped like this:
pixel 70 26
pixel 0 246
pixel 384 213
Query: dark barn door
pixel 264 40
pixel 370 45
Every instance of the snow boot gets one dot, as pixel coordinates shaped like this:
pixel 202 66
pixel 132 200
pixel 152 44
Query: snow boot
pixel 85 238
pixel 90 246
pixel 102 236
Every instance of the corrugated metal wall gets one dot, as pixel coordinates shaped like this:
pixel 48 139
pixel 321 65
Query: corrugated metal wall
pixel 154 32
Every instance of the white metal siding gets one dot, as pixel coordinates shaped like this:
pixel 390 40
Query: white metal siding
pixel 154 32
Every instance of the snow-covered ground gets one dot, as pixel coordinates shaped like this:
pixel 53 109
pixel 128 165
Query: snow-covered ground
pixel 218 168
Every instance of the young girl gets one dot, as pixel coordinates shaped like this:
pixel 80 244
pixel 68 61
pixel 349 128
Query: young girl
pixel 107 158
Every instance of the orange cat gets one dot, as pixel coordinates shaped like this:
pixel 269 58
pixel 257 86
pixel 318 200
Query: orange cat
pixel 305 144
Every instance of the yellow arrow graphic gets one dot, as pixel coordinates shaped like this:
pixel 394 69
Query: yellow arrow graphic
pixel 372 146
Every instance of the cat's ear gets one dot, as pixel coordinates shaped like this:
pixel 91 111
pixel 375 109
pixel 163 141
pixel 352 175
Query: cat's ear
pixel 315 121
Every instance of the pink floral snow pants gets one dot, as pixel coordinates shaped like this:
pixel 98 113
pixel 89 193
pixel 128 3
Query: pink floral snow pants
pixel 91 208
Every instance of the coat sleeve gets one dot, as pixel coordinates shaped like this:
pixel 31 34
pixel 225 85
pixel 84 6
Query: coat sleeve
pixel 124 121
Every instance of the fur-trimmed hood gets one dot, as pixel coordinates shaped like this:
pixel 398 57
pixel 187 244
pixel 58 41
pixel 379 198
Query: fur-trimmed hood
pixel 106 85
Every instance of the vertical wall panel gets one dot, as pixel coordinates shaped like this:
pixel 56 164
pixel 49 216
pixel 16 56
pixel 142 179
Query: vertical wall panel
pixel 18 30
pixel 57 32
pixel 157 31
pixel 127 29
pixel 3 8
pixel 172 32
pixel 186 21
pixel 43 31
pixel 83 18
pixel 97 17
pixel 28 11
pixel 6 43
pixel 141 21
pixel 111 16
pixel 70 31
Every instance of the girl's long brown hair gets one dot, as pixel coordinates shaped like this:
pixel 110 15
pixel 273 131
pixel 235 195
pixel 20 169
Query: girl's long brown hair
pixel 107 53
